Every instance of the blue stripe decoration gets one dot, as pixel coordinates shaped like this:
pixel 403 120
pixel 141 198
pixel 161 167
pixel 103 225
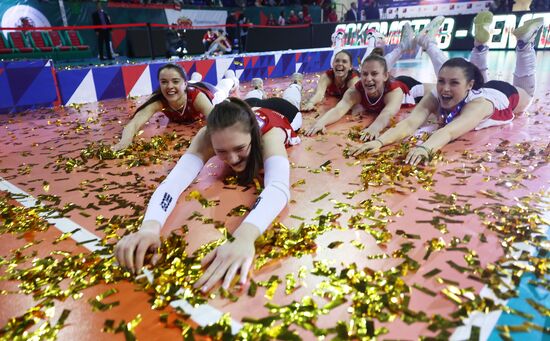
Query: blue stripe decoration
pixel 30 83
pixel 41 92
pixel 109 82
pixel 68 81
pixel 22 74
pixel 6 99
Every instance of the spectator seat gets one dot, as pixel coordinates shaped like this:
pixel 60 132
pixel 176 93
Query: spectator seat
pixel 76 41
pixel 57 42
pixel 18 41
pixel 39 42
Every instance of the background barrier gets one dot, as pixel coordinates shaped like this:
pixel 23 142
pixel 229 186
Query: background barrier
pixel 27 84
pixel 37 86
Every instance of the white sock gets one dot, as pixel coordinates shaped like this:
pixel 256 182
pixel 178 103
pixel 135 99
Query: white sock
pixel 524 75
pixel 256 93
pixel 479 59
pixel 293 94
pixel 224 86
pixel 296 123
pixel 212 48
pixel 393 57
pixel 437 57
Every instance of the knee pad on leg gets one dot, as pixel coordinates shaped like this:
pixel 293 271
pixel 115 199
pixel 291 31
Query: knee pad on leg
pixel 527 83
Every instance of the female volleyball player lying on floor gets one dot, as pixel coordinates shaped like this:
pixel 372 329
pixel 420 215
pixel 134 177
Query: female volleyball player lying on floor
pixel 180 101
pixel 245 139
pixel 462 99
pixel 377 92
pixel 335 81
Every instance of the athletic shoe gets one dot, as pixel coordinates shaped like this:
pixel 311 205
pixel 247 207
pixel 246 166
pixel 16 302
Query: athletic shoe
pixel 427 35
pixel 195 77
pixel 337 39
pixel 407 41
pixel 527 32
pixel 258 85
pixel 297 78
pixel 230 74
pixel 482 23
pixel 374 39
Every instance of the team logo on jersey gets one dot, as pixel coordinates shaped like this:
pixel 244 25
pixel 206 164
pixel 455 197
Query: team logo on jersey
pixel 261 121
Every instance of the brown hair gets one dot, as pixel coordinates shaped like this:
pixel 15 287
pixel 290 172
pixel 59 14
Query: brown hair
pixel 375 56
pixel 230 112
pixel 378 56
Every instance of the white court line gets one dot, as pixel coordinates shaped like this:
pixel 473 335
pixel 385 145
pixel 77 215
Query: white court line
pixel 203 314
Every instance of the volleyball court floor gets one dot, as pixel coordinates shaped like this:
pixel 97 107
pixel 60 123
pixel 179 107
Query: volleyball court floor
pixel 368 247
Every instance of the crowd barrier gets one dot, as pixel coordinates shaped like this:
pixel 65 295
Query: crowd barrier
pixel 33 84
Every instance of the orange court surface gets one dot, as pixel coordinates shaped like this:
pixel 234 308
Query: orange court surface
pixel 367 248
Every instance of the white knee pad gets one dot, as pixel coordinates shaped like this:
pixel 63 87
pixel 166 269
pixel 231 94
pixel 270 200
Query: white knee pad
pixel 256 93
pixel 527 83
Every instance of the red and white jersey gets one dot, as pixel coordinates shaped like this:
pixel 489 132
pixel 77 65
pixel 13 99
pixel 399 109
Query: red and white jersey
pixel 269 119
pixel 189 114
pixel 333 89
pixel 502 95
pixel 379 104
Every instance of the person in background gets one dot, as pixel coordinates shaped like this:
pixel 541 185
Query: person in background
pixel 292 18
pixel 307 18
pixel 100 17
pixel 243 23
pixel 372 11
pixel 208 37
pixel 331 15
pixel 281 21
pixel 175 43
pixel 219 46
pixel 352 14
pixel 271 20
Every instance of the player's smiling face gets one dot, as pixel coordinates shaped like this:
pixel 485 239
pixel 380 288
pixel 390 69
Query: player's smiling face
pixel 232 146
pixel 452 87
pixel 341 65
pixel 373 78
